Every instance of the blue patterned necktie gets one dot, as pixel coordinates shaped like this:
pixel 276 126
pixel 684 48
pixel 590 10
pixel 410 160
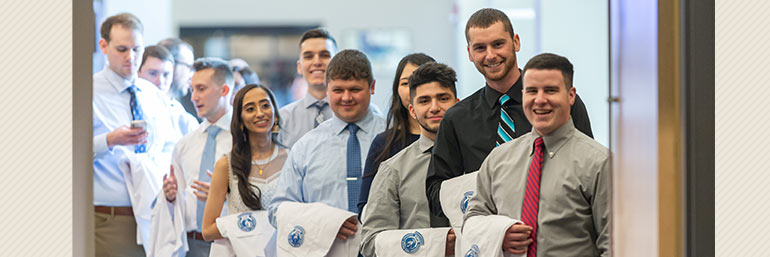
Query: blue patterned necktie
pixel 505 128
pixel 354 168
pixel 319 118
pixel 136 114
pixel 207 163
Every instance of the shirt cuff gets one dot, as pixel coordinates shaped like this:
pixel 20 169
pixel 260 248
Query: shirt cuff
pixel 100 144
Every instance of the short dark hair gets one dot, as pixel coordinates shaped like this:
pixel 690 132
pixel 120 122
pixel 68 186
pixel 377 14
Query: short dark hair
pixel 156 51
pixel 549 61
pixel 431 72
pixel 223 74
pixel 125 20
pixel 317 33
pixel 173 45
pixel 350 64
pixel 249 75
pixel 486 17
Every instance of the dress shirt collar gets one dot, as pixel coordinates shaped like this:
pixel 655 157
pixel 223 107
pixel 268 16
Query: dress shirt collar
pixel 119 83
pixel 424 143
pixel 554 141
pixel 365 124
pixel 491 96
pixel 223 122
pixel 309 100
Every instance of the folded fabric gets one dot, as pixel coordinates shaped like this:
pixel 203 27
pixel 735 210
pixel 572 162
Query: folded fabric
pixel 248 232
pixel 483 236
pixel 454 195
pixel 143 177
pixel 222 248
pixel 310 229
pixel 411 242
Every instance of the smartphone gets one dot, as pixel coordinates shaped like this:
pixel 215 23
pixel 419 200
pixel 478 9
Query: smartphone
pixel 139 124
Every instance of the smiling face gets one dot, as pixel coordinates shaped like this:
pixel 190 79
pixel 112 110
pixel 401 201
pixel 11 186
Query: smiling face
pixel 546 100
pixel 403 83
pixel 124 51
pixel 314 56
pixel 493 52
pixel 349 99
pixel 258 112
pixel 430 102
pixel 158 72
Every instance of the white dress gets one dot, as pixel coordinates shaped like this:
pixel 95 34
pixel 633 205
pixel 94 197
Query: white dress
pixel 266 185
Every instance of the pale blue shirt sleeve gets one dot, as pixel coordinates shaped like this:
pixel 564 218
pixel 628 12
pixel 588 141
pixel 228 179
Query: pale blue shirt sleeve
pixel 289 186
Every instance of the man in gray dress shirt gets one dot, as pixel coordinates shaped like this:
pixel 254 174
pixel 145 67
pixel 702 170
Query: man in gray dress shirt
pixel 400 182
pixel 572 194
pixel 316 48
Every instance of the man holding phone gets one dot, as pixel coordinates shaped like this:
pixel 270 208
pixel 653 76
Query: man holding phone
pixel 128 136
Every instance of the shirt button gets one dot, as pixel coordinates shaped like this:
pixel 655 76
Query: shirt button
pixel 550 154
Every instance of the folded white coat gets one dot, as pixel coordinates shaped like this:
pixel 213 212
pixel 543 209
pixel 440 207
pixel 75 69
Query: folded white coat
pixel 426 242
pixel 310 229
pixel 483 236
pixel 143 177
pixel 247 232
pixel 455 194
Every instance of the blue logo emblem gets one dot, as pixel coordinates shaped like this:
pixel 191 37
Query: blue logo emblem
pixel 246 222
pixel 473 252
pixel 297 236
pixel 466 199
pixel 411 242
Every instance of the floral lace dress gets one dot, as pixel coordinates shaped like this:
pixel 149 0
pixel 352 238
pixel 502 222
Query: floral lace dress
pixel 266 181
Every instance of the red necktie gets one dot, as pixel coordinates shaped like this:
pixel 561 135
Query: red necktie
pixel 529 209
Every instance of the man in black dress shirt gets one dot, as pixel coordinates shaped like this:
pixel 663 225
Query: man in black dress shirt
pixel 469 130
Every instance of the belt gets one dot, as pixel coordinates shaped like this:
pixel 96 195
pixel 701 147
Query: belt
pixel 195 235
pixel 120 211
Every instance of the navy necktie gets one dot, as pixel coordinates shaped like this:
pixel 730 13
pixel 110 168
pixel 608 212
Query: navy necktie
pixel 207 163
pixel 136 114
pixel 353 168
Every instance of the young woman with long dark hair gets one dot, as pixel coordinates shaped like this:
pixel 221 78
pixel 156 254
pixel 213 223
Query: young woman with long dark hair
pixel 246 177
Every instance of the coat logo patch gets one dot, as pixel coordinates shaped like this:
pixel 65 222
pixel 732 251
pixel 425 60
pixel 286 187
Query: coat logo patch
pixel 411 242
pixel 297 236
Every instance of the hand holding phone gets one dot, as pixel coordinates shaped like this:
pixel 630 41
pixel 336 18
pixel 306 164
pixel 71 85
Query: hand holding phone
pixel 141 124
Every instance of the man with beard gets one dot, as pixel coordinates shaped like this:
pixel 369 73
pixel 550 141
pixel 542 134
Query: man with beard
pixel 396 201
pixel 492 115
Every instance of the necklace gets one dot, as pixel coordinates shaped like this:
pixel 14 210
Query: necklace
pixel 261 164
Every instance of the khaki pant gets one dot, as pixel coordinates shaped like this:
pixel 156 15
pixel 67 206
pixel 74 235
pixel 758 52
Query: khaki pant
pixel 116 236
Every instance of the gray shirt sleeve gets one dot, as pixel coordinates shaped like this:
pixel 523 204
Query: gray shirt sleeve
pixel 600 208
pixel 382 211
pixel 482 204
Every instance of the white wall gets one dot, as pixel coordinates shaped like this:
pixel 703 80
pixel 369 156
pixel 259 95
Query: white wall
pixel 428 22
pixel 154 14
pixel 579 31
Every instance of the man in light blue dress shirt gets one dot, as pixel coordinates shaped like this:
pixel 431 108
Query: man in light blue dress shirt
pixel 317 168
pixel 316 48
pixel 118 99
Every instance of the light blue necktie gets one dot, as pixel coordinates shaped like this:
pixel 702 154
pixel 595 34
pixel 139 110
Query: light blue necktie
pixel 354 168
pixel 136 114
pixel 207 163
pixel 319 118
pixel 505 128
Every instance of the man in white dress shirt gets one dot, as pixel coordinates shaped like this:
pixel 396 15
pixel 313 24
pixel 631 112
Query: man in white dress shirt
pixel 195 154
